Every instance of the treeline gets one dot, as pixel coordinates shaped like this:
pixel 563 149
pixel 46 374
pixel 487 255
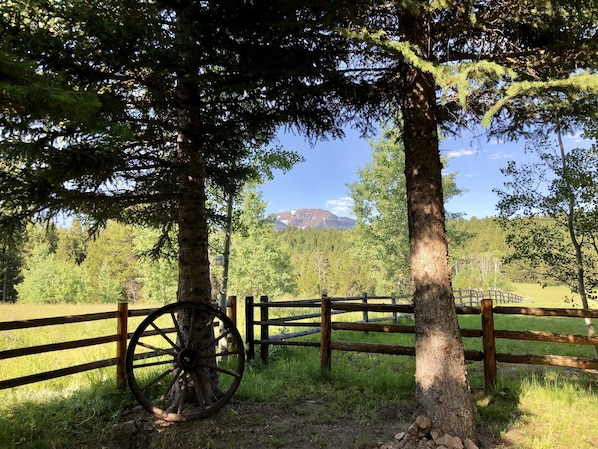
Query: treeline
pixel 65 265
pixel 59 264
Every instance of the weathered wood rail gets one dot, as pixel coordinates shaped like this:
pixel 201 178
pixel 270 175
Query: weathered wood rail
pixel 121 337
pixel 488 333
pixel 304 315
pixel 315 316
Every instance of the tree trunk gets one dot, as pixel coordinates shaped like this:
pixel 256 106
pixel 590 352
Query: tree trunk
pixel 442 388
pixel 194 283
pixel 5 266
pixel 579 264
pixel 194 269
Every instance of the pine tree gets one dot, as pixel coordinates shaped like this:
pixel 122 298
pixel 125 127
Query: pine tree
pixel 443 64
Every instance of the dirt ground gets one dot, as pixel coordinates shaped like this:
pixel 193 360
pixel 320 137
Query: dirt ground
pixel 251 425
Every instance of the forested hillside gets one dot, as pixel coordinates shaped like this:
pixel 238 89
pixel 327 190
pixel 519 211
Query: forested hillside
pixel 63 264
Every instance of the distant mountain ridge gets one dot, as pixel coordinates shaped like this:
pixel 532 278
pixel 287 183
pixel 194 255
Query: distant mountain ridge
pixel 311 218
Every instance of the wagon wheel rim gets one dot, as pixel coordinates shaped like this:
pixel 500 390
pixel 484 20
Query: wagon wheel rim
pixel 185 361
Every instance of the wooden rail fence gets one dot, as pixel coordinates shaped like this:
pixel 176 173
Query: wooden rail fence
pixel 315 316
pixel 488 333
pixel 304 315
pixel 121 337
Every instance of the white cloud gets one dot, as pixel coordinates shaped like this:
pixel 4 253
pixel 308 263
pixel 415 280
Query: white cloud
pixel 452 154
pixel 497 141
pixel 577 138
pixel 341 206
pixel 500 155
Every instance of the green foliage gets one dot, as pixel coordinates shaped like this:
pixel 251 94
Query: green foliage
pixel 257 264
pixel 476 254
pixel 121 263
pixel 158 273
pixel 120 160
pixel 380 207
pixel 324 260
pixel 111 263
pixel 11 263
pixel 50 280
pixel 548 214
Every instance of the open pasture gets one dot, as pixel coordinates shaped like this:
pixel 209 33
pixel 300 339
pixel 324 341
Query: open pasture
pixel 366 397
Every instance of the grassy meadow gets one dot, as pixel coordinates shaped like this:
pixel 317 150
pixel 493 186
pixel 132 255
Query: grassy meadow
pixel 532 407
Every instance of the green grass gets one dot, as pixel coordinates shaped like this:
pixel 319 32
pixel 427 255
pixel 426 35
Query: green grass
pixel 62 411
pixel 544 407
pixel 550 296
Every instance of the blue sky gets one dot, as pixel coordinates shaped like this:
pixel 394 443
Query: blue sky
pixel 320 181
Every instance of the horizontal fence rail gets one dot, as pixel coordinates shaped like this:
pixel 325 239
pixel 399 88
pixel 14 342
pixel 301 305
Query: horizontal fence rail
pixel 306 317
pixel 121 338
pixel 303 316
pixel 489 356
pixel 308 321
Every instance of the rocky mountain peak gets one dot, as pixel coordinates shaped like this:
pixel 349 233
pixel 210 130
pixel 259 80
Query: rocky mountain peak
pixel 311 218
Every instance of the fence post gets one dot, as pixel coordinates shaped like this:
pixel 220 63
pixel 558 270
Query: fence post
pixel 249 334
pixel 393 301
pixel 325 334
pixel 264 331
pixel 122 331
pixel 364 300
pixel 232 309
pixel 489 343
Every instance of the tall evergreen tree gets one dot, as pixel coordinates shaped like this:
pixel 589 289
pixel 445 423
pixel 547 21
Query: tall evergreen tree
pixel 442 64
pixel 186 91
pixel 11 263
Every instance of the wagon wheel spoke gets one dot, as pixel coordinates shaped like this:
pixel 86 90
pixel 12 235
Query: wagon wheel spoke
pixel 222 370
pixel 217 339
pixel 200 392
pixel 168 390
pixel 185 361
pixel 165 336
pixel 179 334
pixel 156 379
pixel 157 350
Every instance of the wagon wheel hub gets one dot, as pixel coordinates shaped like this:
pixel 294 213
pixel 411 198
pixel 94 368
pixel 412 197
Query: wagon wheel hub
pixel 187 358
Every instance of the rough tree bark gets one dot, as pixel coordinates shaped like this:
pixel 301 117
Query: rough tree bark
pixel 442 388
pixel 194 268
pixel 194 283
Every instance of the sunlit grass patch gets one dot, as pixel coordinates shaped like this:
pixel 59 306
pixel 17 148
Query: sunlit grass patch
pixel 558 408
pixel 60 413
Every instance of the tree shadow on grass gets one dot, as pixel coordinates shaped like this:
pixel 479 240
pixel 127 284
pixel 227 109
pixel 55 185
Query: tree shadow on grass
pixel 35 418
pixel 504 419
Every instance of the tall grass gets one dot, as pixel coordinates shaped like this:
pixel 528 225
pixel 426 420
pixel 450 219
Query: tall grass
pixel 61 411
pixel 548 407
pixel 550 296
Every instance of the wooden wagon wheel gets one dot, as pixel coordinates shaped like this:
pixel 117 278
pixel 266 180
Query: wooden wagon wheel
pixel 185 361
